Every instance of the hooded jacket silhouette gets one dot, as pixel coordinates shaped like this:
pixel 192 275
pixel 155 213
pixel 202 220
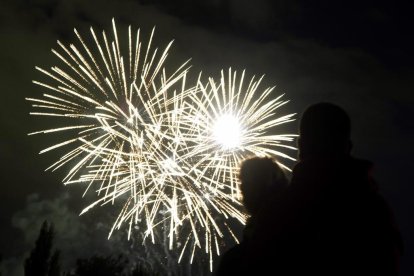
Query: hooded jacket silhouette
pixel 331 220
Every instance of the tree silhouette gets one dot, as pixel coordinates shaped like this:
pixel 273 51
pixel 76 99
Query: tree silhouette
pixel 102 266
pixel 54 265
pixel 40 263
pixel 140 270
pixel 109 266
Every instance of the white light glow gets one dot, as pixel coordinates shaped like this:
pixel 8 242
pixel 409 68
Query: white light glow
pixel 227 131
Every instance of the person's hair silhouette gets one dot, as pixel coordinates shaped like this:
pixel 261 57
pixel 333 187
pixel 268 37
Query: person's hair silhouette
pixel 261 181
pixel 259 177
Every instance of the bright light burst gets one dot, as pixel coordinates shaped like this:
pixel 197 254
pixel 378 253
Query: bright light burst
pixel 227 131
pixel 139 136
pixel 231 121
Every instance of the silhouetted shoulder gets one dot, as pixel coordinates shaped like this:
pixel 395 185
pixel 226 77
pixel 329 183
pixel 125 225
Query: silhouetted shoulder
pixel 342 217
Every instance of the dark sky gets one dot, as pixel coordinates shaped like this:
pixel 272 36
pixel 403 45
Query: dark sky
pixel 354 53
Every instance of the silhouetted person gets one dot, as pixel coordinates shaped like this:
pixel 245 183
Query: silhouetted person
pixel 262 180
pixel 332 221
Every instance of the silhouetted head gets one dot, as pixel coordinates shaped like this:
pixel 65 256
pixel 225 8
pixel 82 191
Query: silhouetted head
pixel 259 177
pixel 325 130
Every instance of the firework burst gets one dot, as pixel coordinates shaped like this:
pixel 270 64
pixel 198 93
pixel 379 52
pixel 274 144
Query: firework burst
pixel 118 108
pixel 139 136
pixel 230 121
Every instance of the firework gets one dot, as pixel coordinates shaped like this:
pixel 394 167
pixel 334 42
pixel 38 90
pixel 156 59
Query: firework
pixel 116 108
pixel 231 121
pixel 169 153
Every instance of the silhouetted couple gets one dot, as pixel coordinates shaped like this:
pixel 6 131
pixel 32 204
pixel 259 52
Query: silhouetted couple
pixel 330 219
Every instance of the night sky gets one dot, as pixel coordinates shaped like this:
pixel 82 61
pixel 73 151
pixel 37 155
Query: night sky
pixel 357 54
